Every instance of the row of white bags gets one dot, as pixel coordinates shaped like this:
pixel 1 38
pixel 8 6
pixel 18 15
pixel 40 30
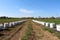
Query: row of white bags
pixel 47 24
pixel 10 24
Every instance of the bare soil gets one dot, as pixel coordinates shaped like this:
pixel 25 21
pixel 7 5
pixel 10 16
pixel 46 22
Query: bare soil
pixel 41 34
pixel 21 32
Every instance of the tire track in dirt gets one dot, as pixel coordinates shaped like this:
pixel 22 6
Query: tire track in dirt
pixel 41 34
pixel 21 32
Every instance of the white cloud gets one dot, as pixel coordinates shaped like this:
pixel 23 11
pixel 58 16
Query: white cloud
pixel 26 11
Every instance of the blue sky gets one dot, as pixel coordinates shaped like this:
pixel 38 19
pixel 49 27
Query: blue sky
pixel 28 8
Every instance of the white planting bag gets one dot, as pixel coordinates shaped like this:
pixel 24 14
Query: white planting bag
pixel 47 24
pixel 10 24
pixel 43 23
pixel 58 27
pixel 39 22
pixel 6 25
pixel 13 23
pixel 52 25
pixel 1 26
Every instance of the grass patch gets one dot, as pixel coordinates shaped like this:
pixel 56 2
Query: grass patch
pixel 10 20
pixel 28 33
pixel 49 29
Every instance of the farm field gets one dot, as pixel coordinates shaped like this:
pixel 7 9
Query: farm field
pixel 57 21
pixel 28 31
pixel 10 20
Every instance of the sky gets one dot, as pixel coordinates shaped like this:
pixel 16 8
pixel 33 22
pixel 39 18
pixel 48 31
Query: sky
pixel 30 8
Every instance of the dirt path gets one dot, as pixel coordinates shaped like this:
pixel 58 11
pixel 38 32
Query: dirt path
pixel 41 34
pixel 21 32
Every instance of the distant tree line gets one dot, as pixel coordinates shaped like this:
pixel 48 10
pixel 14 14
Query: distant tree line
pixel 3 17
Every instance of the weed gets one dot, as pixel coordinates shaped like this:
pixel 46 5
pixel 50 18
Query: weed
pixel 28 33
